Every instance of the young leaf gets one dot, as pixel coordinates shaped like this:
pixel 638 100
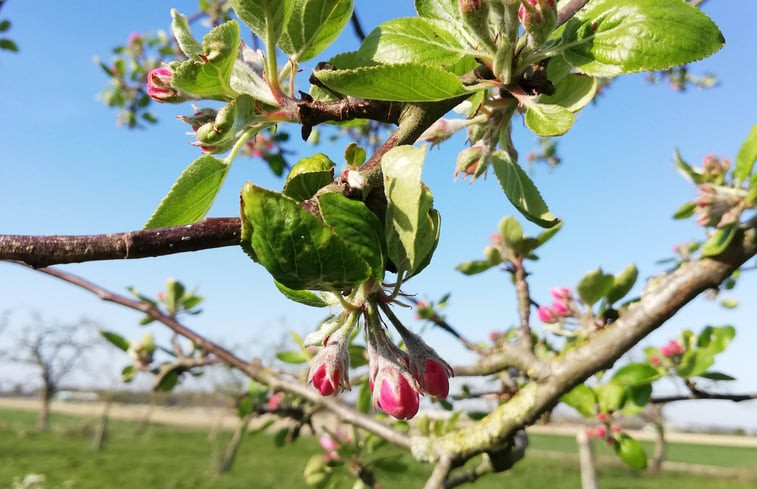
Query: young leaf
pixel 208 73
pixel 308 176
pixel 475 266
pixel 635 374
pixel 746 157
pixel 689 172
pixel 192 195
pixel 719 240
pixel 694 363
pixel 416 40
pixel 266 18
pixel 511 231
pixel 573 92
pixel 116 340
pixel 636 399
pixel 294 357
pixel 521 191
pixel 685 211
pixel 396 82
pixel 623 283
pixel 549 119
pixel 631 452
pixel 717 376
pixel 296 247
pixel 358 227
pixel 182 33
pixel 312 26
pixel 611 37
pixel 302 296
pixel 715 339
pixel 611 396
pixel 583 399
pixel 446 10
pixel 128 373
pixel 594 285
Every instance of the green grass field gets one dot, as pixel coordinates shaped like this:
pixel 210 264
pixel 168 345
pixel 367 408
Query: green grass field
pixel 167 457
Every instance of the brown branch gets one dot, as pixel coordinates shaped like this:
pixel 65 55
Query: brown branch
pixel 254 369
pixel 505 356
pixel 524 305
pixel 569 10
pixel 703 395
pixel 41 251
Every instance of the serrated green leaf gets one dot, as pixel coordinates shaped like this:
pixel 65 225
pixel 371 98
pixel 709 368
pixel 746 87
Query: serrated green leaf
pixel 411 230
pixel 715 339
pixel 417 40
pixel 475 266
pixel 631 452
pixel 549 119
pixel 594 285
pixel 719 240
pixel 685 211
pixel 358 227
pixel 446 10
pixel 746 157
pixel 583 399
pixel 623 283
pixel 573 92
pixel 296 247
pixel 308 176
pixel 521 191
pixel 115 339
pixel 302 296
pixel 191 195
pixel 294 357
pixel 611 37
pixel 396 82
pixel 312 26
pixel 266 18
pixel 208 74
pixel 719 376
pixel 183 35
pixel 635 374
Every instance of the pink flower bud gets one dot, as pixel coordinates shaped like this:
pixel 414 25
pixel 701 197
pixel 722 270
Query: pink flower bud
pixel 398 399
pixel 426 366
pixel 616 428
pixel 603 417
pixel 671 349
pixel 325 381
pixel 159 85
pixel 328 443
pixel 600 431
pixel 436 379
pixel 560 309
pixel 275 401
pixel 560 293
pixel 655 361
pixel 328 370
pixel 546 315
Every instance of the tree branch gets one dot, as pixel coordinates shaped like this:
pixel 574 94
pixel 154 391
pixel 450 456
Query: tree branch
pixel 703 395
pixel 42 251
pixel 569 10
pixel 504 356
pixel 254 370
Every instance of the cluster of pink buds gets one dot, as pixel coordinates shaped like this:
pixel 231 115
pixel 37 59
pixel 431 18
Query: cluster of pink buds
pixel 329 369
pixel 560 308
pixel 718 206
pixel 159 86
pixel 671 349
pixel 607 430
pixel 715 168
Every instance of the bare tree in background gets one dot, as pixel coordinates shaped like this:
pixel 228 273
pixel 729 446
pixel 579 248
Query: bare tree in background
pixel 55 350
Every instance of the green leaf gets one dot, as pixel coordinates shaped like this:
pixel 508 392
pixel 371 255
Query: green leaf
pixel 313 25
pixel 715 339
pixel 692 174
pixel 358 227
pixel 248 76
pixel 546 235
pixel 719 240
pixel 296 247
pixel 183 35
pixel 549 119
pixel 294 357
pixel 717 376
pixel 594 285
pixel 302 296
pixel 208 74
pixel 446 10
pixel 583 399
pixel 266 18
pixel 611 396
pixel 416 40
pixel 357 356
pixel 475 266
pixel 396 82
pixel 694 363
pixel 363 403
pixel 191 195
pixel 308 176
pixel 635 374
pixel 611 37
pixel 116 340
pixel 623 283
pixel 511 231
pixel 631 452
pixel 8 45
pixel 636 399
pixel 167 382
pixel 354 155
pixel 573 92
pixel 685 211
pixel 5 24
pixel 411 229
pixel 521 191
pixel 325 329
pixel 746 157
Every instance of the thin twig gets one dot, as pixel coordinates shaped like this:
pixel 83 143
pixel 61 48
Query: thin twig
pixel 569 10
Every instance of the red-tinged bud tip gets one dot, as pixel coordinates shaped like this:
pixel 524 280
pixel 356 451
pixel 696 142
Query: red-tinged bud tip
pixel 436 379
pixel 546 315
pixel 324 383
pixel 399 400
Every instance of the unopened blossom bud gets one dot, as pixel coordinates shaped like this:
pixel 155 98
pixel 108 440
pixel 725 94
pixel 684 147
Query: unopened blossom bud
pixel 329 368
pixel 538 18
pixel 441 130
pixel 159 86
pixel 397 397
pixel 600 431
pixel 475 14
pixel 560 309
pixel 426 366
pixel 547 315
pixel 616 428
pixel 603 417
pixel 671 349
pixel 328 443
pixel 275 401
pixel 655 361
pixel 560 293
pixel 142 351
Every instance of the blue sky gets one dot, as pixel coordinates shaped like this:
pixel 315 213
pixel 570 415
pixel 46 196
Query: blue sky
pixel 67 169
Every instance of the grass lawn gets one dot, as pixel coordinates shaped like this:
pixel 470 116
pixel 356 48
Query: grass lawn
pixel 167 457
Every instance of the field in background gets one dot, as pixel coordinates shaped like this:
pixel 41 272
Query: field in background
pixel 168 457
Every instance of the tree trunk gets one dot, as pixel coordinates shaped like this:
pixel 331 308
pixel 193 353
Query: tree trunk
pixel 588 462
pixel 144 422
pixel 659 441
pixel 43 418
pixel 101 433
pixel 233 447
